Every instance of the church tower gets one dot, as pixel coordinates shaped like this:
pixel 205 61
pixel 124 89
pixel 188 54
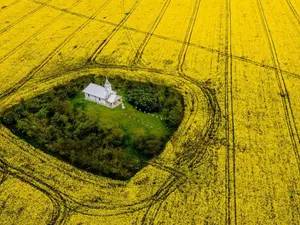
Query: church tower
pixel 107 86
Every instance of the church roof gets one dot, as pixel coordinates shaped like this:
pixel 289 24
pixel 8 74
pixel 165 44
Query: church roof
pixel 101 92
pixel 96 90
pixel 113 97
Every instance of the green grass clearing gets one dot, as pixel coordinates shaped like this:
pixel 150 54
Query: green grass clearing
pixel 130 119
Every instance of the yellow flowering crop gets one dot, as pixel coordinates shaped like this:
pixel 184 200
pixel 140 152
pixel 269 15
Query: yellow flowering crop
pixel 235 158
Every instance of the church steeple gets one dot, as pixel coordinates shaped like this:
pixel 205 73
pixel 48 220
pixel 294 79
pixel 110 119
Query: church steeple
pixel 107 86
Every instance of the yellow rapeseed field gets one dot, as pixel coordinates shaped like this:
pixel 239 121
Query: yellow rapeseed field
pixel 235 158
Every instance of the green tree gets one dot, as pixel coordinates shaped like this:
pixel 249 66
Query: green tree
pixel 59 120
pixel 42 113
pixel 10 117
pixel 25 127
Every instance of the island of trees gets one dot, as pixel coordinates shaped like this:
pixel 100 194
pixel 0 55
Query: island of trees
pixel 115 143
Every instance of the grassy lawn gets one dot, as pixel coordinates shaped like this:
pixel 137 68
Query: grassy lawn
pixel 130 119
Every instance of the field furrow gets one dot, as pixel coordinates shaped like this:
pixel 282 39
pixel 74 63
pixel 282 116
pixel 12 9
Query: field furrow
pixel 265 156
pixel 126 44
pixel 166 58
pixel 26 203
pixel 234 159
pixel 285 29
pixel 62 34
pixel 208 62
pixel 258 96
pixel 11 42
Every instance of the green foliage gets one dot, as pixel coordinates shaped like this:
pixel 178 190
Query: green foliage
pixel 143 97
pixel 151 98
pixel 10 117
pixel 149 145
pixel 75 133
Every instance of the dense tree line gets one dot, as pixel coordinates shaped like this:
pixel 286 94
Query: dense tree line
pixel 156 99
pixel 52 123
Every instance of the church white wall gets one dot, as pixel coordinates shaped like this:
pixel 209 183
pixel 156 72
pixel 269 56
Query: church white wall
pixel 102 101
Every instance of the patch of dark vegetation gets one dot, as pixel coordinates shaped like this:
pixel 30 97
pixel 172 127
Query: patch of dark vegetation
pixel 168 62
pixel 74 132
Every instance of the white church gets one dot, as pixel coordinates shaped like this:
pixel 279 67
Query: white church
pixel 102 95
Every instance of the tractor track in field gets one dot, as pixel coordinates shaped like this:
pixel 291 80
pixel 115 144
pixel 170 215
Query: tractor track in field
pixel 100 48
pixel 43 28
pixel 71 199
pixel 59 205
pixel 60 212
pixel 182 57
pixel 170 170
pixel 31 13
pixel 151 70
pixel 105 66
pixel 53 52
pixel 290 4
pixel 4 171
pixel 149 34
pixel 284 94
pixel 172 183
pixel 211 126
pixel 214 120
pixel 58 167
pixel 126 208
pixel 128 35
pixel 193 154
pixel 187 39
pixel 203 141
pixel 158 199
pixel 230 158
pixel 169 186
pixel 150 216
pixel 240 58
pixel 183 51
pixel 192 159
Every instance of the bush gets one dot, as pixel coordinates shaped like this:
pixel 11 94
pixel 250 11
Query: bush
pixel 51 123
